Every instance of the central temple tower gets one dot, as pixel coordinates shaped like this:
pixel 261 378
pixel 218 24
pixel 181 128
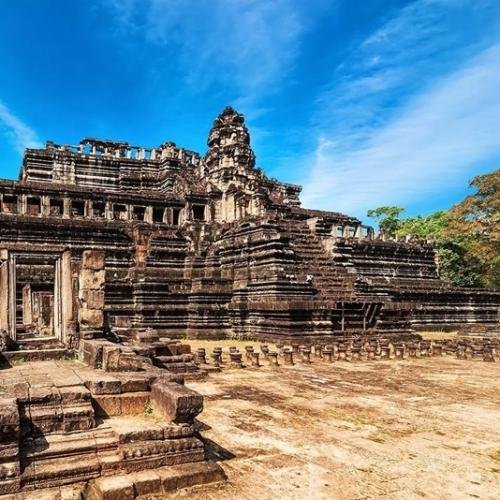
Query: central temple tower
pixel 230 166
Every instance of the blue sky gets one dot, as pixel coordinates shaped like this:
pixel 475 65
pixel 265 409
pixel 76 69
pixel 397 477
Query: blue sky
pixel 363 102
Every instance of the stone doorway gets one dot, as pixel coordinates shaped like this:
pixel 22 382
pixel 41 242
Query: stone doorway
pixel 34 275
pixel 35 301
pixel 38 310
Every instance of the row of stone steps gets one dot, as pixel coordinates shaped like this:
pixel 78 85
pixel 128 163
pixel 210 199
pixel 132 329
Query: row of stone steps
pixel 329 280
pixel 43 354
pixel 335 282
pixel 34 342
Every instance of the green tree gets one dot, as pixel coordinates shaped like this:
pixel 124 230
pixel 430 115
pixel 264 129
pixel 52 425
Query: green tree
pixel 431 226
pixel 387 218
pixel 455 265
pixel 467 236
pixel 475 223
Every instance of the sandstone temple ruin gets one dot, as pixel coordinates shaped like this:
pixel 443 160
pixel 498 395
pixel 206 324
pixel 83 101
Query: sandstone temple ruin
pixel 106 238
pixel 114 251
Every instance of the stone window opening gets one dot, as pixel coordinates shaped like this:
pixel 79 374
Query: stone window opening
pixel 56 207
pixel 138 213
pixel 33 206
pixel 158 215
pixel 352 231
pixel 120 212
pixel 340 231
pixel 199 212
pixel 176 216
pixel 99 210
pixel 77 208
pixel 9 205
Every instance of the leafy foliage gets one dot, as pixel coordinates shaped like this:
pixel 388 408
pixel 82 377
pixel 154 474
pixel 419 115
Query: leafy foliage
pixel 475 222
pixel 387 218
pixel 467 236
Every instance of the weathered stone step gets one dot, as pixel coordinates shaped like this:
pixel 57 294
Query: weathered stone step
pixel 66 445
pixel 160 481
pixel 59 471
pixel 49 409
pixel 35 355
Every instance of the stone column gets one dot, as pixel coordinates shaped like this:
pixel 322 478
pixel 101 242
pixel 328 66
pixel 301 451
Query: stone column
pixel 66 208
pixel 45 206
pixel 8 293
pixel 21 201
pixel 91 293
pixel 87 211
pixel 288 357
pixel 27 306
pixel 108 210
pixel 148 215
pixel 188 212
pixel 272 358
pixel 168 216
pixel 4 290
pixel 63 298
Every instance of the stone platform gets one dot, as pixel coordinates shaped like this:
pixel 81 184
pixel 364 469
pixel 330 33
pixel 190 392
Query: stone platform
pixel 63 422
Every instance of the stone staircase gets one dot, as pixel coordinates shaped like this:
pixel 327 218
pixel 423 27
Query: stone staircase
pixel 358 306
pixel 80 427
pixel 330 281
pixel 56 436
pixel 57 459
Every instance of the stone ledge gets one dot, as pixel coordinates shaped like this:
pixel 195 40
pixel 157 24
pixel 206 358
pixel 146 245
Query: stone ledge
pixel 155 481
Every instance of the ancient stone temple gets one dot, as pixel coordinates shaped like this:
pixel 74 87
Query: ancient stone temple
pixel 106 238
pixel 111 253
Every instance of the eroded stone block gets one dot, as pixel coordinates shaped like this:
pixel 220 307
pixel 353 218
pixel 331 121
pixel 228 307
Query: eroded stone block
pixel 175 402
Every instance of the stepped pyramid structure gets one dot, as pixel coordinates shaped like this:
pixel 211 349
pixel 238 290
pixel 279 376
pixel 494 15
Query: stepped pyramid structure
pixel 107 239
pixel 112 252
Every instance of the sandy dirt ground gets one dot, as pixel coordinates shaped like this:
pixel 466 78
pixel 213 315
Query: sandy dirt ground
pixel 420 428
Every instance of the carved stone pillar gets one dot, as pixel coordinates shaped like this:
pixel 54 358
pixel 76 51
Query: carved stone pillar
pixel 8 293
pixel 91 293
pixel 4 290
pixel 63 298
pixel 66 208
pixel 148 215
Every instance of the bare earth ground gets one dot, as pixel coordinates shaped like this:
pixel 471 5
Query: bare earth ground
pixel 393 429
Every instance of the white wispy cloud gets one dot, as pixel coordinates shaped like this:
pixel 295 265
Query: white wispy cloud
pixel 19 134
pixel 250 44
pixel 243 50
pixel 413 109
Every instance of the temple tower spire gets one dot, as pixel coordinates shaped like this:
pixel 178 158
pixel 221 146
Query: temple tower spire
pixel 229 151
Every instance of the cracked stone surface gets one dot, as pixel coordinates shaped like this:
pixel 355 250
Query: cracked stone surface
pixel 398 429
